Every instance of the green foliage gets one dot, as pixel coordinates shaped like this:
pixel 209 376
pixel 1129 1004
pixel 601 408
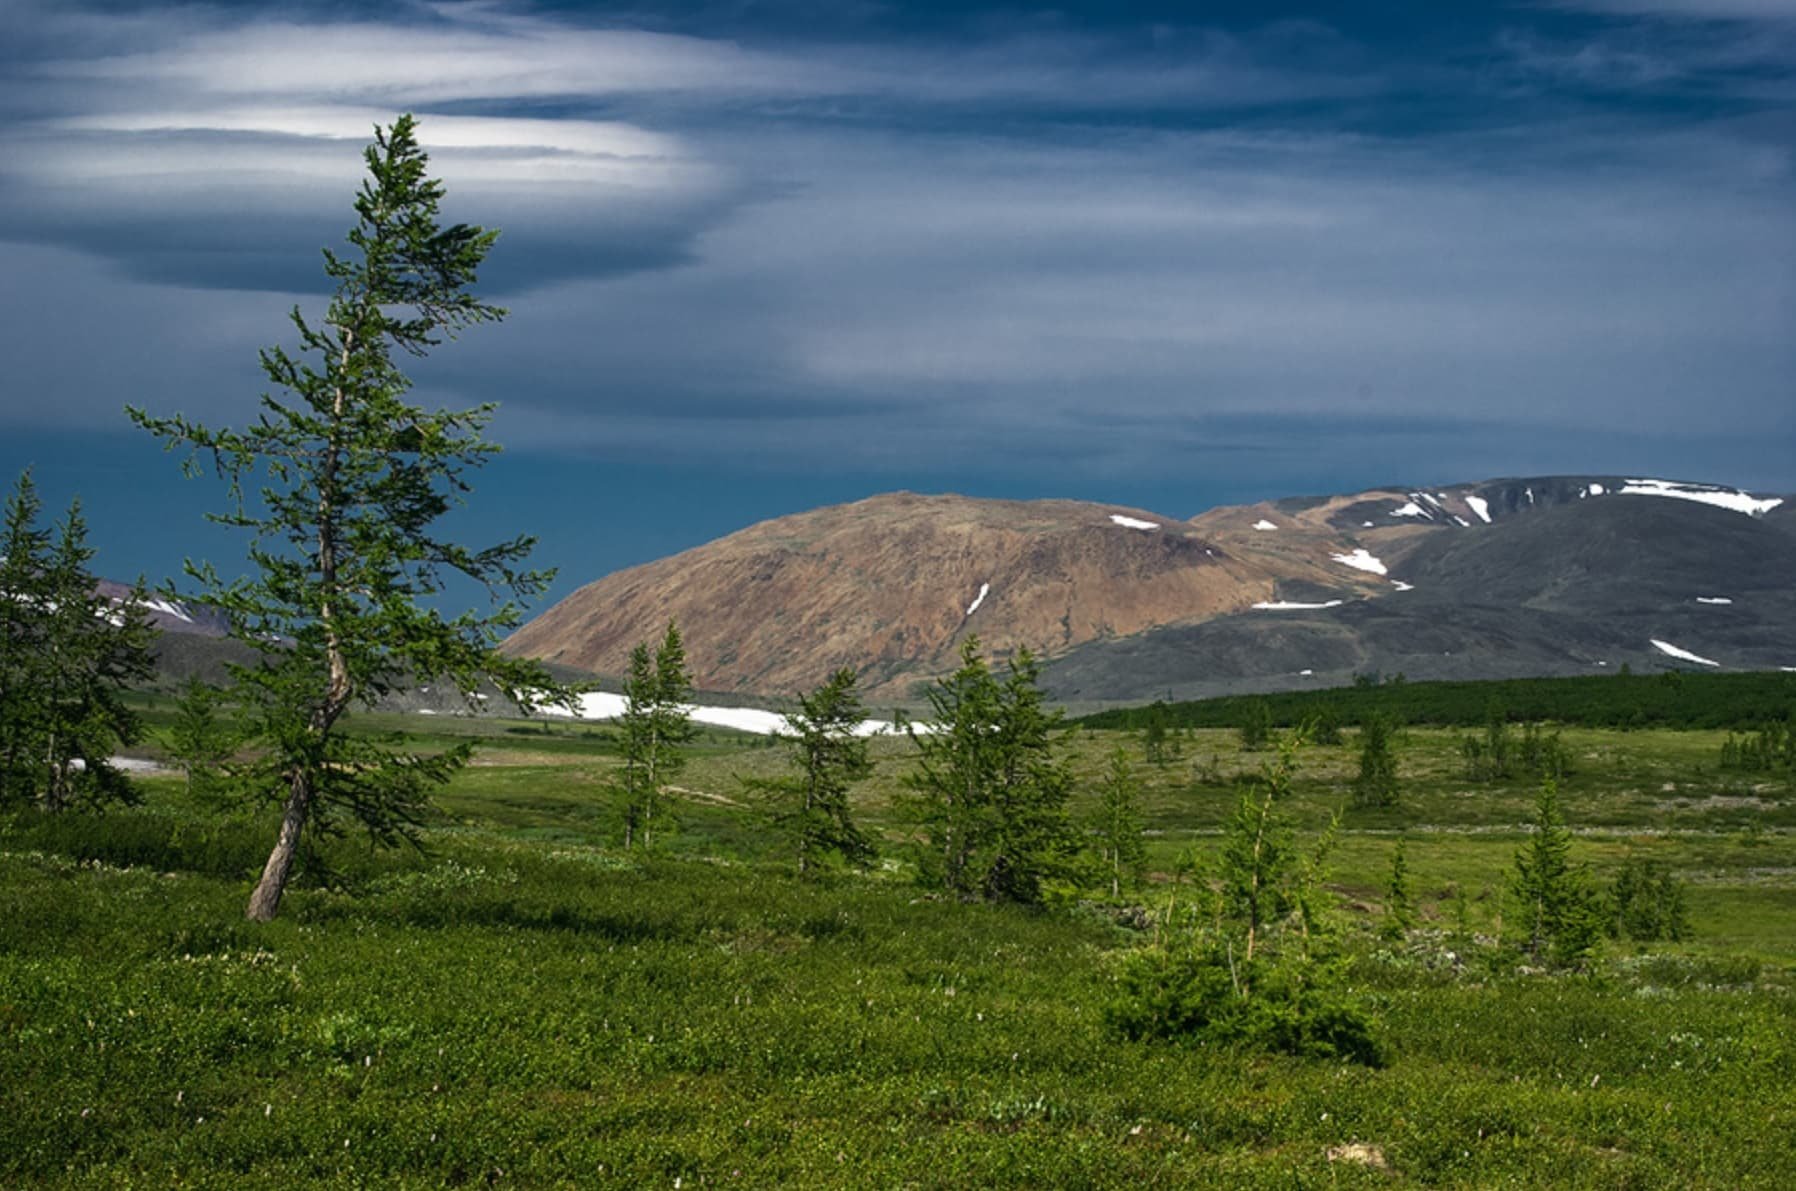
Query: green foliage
pixel 1324 727
pixel 1258 968
pixel 1117 823
pixel 829 758
pixel 1254 725
pixel 1497 755
pixel 1770 749
pixel 1647 904
pixel 1399 902
pixel 1489 758
pixel 1188 996
pixel 1558 916
pixel 201 740
pixel 656 726
pixel 1685 700
pixel 1543 754
pixel 346 479
pixel 990 790
pixel 1160 747
pixel 66 655
pixel 1376 782
pixel 524 997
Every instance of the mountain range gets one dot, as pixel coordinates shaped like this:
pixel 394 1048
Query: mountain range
pixel 1501 578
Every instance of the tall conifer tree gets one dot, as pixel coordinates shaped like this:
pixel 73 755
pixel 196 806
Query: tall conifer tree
pixel 346 480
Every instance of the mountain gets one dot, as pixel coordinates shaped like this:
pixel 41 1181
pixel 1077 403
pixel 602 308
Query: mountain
pixel 1506 577
pixel 171 616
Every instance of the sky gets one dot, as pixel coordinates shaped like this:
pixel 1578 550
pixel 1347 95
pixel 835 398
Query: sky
pixel 763 255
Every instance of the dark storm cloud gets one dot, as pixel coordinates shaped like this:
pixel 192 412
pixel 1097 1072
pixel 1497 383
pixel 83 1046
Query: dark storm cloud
pixel 1102 240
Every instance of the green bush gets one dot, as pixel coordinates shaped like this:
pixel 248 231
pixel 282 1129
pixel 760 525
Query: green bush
pixel 1199 997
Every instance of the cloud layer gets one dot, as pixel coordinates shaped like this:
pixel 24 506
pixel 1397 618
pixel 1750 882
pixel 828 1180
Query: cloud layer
pixel 1081 249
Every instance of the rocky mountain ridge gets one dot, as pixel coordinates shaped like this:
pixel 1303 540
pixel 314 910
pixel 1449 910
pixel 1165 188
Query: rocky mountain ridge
pixel 1520 574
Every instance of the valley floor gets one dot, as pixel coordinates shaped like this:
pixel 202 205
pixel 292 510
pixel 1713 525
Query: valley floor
pixel 525 1003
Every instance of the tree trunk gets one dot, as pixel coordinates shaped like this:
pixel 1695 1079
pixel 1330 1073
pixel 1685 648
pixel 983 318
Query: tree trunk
pixel 265 902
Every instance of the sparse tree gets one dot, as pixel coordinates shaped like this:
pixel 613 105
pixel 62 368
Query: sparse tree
pixel 1325 728
pixel 1557 912
pixel 1489 758
pixel 1376 784
pixel 1647 904
pixel 1399 904
pixel 1159 746
pixel 657 724
pixel 1263 968
pixel 66 654
pixel 346 480
pixel 829 757
pixel 1255 728
pixel 24 640
pixel 1118 823
pixel 990 787
pixel 201 740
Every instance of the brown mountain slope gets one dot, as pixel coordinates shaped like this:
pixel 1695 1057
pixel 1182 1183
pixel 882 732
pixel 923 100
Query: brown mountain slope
pixel 890 585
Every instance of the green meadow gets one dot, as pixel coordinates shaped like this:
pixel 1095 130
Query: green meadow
pixel 522 1002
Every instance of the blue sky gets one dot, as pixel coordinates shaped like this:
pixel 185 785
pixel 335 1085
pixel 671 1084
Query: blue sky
pixel 764 256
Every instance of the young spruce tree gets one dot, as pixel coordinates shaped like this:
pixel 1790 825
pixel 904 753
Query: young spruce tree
pixel 340 483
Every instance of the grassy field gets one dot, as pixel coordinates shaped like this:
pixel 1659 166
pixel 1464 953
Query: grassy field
pixel 524 1003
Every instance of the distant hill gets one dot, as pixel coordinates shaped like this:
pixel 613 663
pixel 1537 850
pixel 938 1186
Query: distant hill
pixel 1504 578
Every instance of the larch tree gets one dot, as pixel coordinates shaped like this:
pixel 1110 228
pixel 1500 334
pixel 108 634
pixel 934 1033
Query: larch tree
pixel 829 757
pixel 340 482
pixel 1559 915
pixel 66 653
pixel 991 788
pixel 95 648
pixel 1376 782
pixel 24 639
pixel 1118 822
pixel 657 725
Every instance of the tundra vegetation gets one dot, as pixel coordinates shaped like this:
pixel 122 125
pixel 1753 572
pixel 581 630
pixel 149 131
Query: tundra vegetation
pixel 523 999
pixel 1042 963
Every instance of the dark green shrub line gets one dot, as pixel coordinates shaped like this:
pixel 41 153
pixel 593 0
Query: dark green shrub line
pixel 1671 700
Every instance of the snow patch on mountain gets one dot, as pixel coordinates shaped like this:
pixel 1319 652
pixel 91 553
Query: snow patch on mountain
pixel 178 611
pixel 984 590
pixel 1683 655
pixel 1293 606
pixel 1133 522
pixel 1360 560
pixel 1263 524
pixel 1479 506
pixel 1411 509
pixel 603 705
pixel 1713 600
pixel 1708 494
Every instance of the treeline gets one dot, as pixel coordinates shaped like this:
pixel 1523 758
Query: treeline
pixel 1674 699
